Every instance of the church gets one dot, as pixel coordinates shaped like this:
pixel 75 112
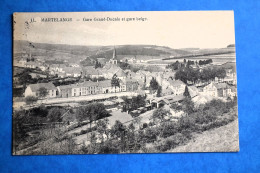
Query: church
pixel 112 67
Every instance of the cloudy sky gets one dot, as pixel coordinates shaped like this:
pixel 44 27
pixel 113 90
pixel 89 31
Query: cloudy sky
pixel 202 29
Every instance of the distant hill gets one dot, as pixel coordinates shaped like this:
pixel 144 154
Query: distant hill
pixel 87 55
pixel 140 50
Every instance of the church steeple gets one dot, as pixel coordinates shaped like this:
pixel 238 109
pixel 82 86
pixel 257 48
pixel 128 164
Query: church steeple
pixel 114 53
pixel 114 59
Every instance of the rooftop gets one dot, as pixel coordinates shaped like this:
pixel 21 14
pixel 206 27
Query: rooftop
pixel 36 87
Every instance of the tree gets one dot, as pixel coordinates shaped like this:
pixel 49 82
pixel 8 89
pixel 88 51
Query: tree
pixel 118 131
pixel 159 91
pixel 186 92
pixel 30 100
pixel 25 78
pixel 55 114
pixel 154 84
pixel 92 112
pixel 98 64
pixel 188 105
pixel 43 92
pixel 159 114
pixel 115 81
pixel 102 128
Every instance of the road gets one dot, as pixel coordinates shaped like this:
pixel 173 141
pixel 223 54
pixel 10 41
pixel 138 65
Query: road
pixel 57 100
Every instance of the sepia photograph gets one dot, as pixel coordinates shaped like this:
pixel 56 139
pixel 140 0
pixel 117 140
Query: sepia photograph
pixel 124 82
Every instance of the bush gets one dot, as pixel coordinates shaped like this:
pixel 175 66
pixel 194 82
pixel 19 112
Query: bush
pixel 171 142
pixel 169 129
pixel 150 135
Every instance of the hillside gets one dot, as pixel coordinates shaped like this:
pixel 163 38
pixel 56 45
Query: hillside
pixel 221 139
pixel 88 54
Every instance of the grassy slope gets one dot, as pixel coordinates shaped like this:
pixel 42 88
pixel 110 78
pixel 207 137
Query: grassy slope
pixel 220 139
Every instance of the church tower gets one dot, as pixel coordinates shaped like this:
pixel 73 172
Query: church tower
pixel 113 60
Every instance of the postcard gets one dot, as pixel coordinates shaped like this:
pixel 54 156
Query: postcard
pixel 124 82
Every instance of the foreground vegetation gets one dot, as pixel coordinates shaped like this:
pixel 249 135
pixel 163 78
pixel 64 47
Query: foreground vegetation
pixel 50 133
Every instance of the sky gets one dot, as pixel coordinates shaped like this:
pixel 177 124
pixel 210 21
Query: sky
pixel 190 29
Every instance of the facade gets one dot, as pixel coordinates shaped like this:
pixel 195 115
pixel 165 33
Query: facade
pixel 177 86
pixel 92 72
pixel 33 90
pixel 218 90
pixel 30 65
pixel 89 88
pixel 22 62
pixel 131 85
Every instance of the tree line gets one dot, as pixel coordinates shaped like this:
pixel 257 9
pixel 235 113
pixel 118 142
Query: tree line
pixel 193 75
pixel 178 65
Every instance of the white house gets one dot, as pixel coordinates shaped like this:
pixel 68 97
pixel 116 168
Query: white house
pixel 33 90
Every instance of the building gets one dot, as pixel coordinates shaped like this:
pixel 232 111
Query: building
pixel 131 85
pixel 114 58
pixel 30 64
pixel 121 74
pixel 73 65
pixel 89 88
pixel 72 71
pixel 177 86
pixel 57 68
pixel 34 90
pixel 92 72
pixel 22 62
pixel 219 90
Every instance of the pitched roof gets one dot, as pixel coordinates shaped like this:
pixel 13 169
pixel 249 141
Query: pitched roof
pixel 174 98
pixel 57 65
pixel 91 71
pixel 175 83
pixel 36 87
pixel 167 90
pixel 220 85
pixel 120 73
pixel 104 83
pixel 72 70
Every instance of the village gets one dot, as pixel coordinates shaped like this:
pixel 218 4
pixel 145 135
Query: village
pixel 116 89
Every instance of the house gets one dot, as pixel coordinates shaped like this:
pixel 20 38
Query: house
pixel 57 68
pixel 144 76
pixel 89 88
pixel 79 89
pixel 92 72
pixel 33 90
pixel 218 90
pixel 121 74
pixel 30 64
pixel 72 71
pixel 177 86
pixel 73 65
pixel 22 62
pixel 43 67
pixel 131 85
pixel 193 90
pixel 121 88
pixel 167 91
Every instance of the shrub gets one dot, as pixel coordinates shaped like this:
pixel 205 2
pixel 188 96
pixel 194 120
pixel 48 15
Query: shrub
pixel 171 142
pixel 169 129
